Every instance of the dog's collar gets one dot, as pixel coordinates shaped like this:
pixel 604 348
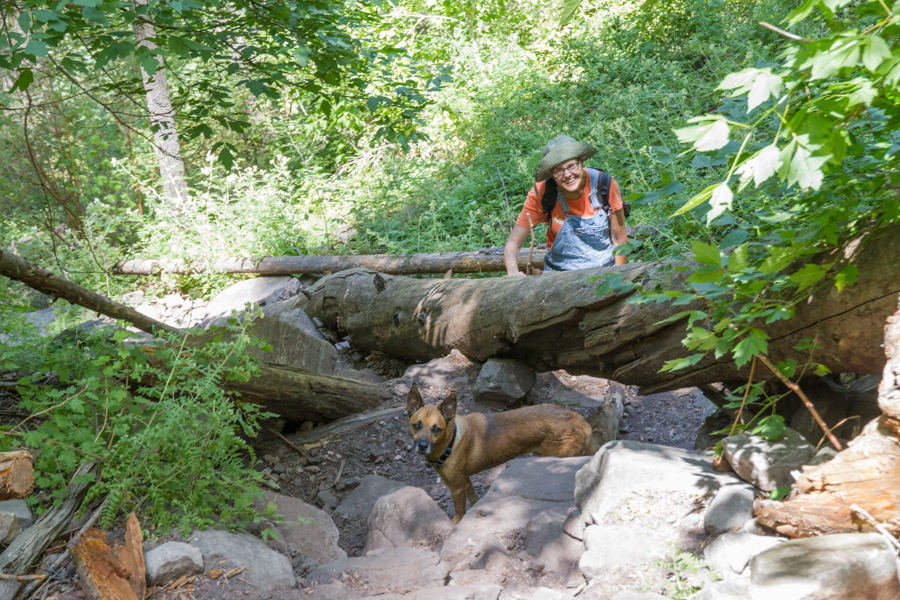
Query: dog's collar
pixel 446 454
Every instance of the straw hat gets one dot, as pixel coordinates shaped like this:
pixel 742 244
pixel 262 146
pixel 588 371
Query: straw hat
pixel 558 150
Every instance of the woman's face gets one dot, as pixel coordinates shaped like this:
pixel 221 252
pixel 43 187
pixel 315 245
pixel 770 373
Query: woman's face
pixel 569 176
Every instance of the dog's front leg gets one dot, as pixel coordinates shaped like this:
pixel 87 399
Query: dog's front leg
pixel 471 494
pixel 459 502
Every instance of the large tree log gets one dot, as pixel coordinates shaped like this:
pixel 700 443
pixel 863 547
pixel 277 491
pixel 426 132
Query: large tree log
pixel 483 261
pixel 866 474
pixel 556 322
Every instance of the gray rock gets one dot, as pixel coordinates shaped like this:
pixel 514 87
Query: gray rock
pixel 261 291
pixel 551 549
pixel 545 593
pixel 172 560
pixel 527 487
pixel 631 548
pixel 294 339
pixel 447 372
pixel 574 525
pixel 490 553
pixel 358 503
pixel 476 577
pixel 766 464
pixel 394 570
pixel 305 530
pixel 264 568
pixel 407 517
pixel 631 595
pixel 327 500
pixel 9 528
pixel 739 589
pixel 503 381
pixel 731 553
pixel 729 509
pixel 606 419
pixel 467 592
pixel 330 591
pixel 824 454
pixel 20 509
pixel 846 566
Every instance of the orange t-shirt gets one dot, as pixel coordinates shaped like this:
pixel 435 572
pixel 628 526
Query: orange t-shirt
pixel 579 208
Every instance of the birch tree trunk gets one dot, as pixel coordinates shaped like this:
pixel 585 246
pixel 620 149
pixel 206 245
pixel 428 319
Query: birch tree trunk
pixel 162 118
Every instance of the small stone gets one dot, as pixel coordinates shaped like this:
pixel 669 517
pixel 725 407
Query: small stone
pixel 347 484
pixel 9 528
pixel 271 460
pixel 379 460
pixel 266 472
pixel 313 469
pixel 398 457
pixel 280 468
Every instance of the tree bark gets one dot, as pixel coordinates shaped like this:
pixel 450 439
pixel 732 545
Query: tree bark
pixel 866 474
pixel 555 321
pixel 20 556
pixel 162 118
pixel 394 264
pixel 16 475
pixel 305 396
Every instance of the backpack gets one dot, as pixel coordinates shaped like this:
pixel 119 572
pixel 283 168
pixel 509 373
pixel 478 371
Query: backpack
pixel 548 200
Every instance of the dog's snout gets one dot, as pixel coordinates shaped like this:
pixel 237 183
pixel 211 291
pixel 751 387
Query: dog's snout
pixel 422 447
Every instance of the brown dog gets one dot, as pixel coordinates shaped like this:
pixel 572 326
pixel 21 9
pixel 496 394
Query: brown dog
pixel 459 446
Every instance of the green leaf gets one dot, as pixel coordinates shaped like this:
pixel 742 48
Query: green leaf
pixel 706 254
pixel 771 427
pixel 862 93
pixel 24 22
pixel 762 166
pixel 700 339
pixel 757 84
pixel 738 259
pixel 780 493
pixel 26 76
pixel 841 55
pixel 696 200
pixel 179 46
pixel 735 237
pixel 846 277
pixel 707 137
pixel 788 367
pixel 569 8
pixel 809 275
pixel 681 363
pixel 755 342
pixel 875 51
pixel 36 48
pixel 95 15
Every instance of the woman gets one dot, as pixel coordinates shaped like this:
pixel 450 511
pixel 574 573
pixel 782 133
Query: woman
pixel 580 234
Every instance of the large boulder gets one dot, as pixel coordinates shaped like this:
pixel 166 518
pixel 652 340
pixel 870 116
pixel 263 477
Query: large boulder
pixel 20 509
pixel 264 568
pixel 406 517
pixel 449 372
pixel 305 530
pixel 294 338
pixel 388 570
pixel 766 464
pixel 847 566
pixel 731 553
pixel 730 508
pixel 259 291
pixel 527 488
pixel 649 499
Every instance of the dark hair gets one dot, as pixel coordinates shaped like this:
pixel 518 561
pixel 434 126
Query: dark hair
pixel 548 200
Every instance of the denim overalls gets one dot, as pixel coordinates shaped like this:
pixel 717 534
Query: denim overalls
pixel 582 242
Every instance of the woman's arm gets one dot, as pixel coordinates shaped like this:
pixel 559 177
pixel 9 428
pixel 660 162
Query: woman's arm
pixel 514 243
pixel 617 233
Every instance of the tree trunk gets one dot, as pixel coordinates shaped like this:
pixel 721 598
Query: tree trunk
pixel 866 474
pixel 556 322
pixel 25 550
pixel 162 117
pixel 16 475
pixel 46 282
pixel 483 261
pixel 304 396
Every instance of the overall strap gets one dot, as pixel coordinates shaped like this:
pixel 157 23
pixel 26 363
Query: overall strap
pixel 562 201
pixel 595 176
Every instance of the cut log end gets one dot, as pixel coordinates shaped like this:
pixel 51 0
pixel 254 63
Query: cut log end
pixel 111 573
pixel 16 475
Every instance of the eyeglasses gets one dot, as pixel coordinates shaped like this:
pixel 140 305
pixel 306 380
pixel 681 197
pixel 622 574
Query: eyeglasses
pixel 571 168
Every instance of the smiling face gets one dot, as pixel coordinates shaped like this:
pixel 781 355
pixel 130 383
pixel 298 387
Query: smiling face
pixel 569 176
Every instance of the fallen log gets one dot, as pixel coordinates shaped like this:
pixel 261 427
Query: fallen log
pixel 24 552
pixel 16 474
pixel 556 321
pixel 866 475
pixel 295 394
pixel 483 261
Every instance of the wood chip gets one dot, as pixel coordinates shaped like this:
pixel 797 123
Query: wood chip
pixel 233 572
pixel 215 573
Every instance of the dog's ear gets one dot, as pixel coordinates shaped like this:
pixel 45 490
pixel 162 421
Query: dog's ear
pixel 448 407
pixel 413 401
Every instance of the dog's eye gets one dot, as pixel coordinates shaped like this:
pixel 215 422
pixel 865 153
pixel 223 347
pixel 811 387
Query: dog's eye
pixel 417 425
pixel 435 429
